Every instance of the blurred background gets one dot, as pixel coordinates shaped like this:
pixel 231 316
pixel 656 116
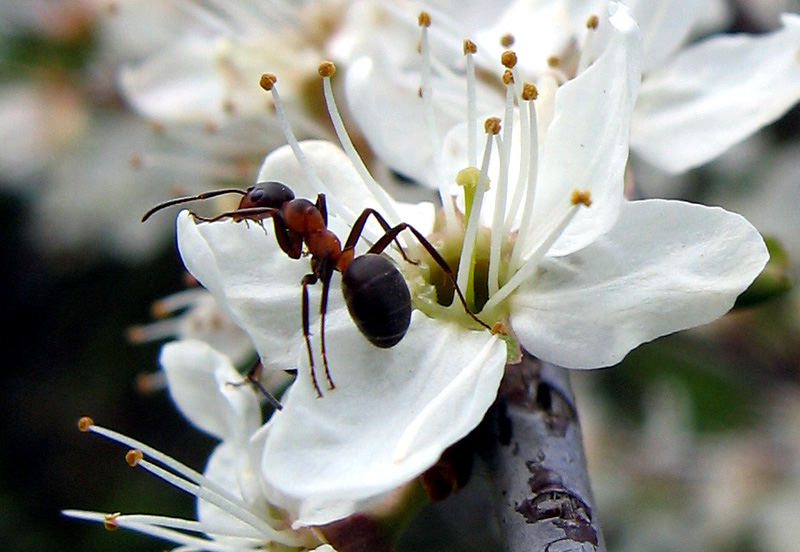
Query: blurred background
pixel 693 441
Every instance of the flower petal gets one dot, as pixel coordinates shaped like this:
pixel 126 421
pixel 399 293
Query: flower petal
pixel 224 467
pixel 666 25
pixel 243 267
pixel 664 267
pixel 198 379
pixel 182 83
pixel 415 399
pixel 715 94
pixel 587 142
pixel 347 195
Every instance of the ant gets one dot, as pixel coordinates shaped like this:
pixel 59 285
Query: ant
pixel 375 292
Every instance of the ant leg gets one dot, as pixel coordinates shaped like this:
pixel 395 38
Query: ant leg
pixel 252 377
pixel 309 279
pixel 323 308
pixel 246 213
pixel 322 207
pixel 391 234
pixel 358 228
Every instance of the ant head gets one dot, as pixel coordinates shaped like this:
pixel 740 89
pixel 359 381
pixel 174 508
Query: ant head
pixel 266 194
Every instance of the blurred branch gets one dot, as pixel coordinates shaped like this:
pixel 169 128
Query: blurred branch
pixel 542 493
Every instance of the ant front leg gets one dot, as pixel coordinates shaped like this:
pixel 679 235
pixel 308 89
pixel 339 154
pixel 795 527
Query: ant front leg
pixel 309 279
pixel 248 213
pixel 358 228
pixel 391 234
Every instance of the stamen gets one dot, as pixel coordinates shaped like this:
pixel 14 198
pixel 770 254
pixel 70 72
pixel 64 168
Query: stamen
pixel 584 61
pixel 532 261
pixel 424 21
pixel 268 82
pixel 188 480
pixel 530 93
pixel 507 40
pixel 165 528
pixel 326 70
pixel 498 216
pixel 177 301
pixel 472 111
pixel 467 264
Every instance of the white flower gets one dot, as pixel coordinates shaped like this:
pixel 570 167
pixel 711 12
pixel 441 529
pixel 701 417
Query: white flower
pixel 584 278
pixel 232 512
pixel 695 101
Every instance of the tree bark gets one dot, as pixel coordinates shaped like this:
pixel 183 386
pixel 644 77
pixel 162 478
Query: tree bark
pixel 535 456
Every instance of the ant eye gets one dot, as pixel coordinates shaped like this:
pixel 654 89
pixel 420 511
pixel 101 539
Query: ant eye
pixel 256 194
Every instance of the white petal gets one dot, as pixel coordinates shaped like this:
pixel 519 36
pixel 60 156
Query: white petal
pixel 665 26
pixel 199 381
pixel 181 83
pixel 224 466
pixel 243 267
pixel 391 415
pixel 387 108
pixel 665 266
pixel 587 142
pixel 346 193
pixel 715 94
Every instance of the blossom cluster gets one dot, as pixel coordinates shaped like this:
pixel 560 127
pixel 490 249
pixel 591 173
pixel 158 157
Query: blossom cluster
pixel 543 252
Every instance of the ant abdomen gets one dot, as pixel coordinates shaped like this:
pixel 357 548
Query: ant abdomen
pixel 378 299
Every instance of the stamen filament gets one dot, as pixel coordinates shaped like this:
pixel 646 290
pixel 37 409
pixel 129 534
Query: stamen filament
pixel 430 118
pixel 176 301
pixel 524 162
pixel 526 219
pixel 228 503
pixel 164 532
pixel 532 261
pixel 584 61
pixel 268 83
pixel 467 264
pixel 378 192
pixel 188 474
pixel 498 217
pixel 472 110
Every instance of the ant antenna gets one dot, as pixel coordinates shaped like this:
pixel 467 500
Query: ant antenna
pixel 179 200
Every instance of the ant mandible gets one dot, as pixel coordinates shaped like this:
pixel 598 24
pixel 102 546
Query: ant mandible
pixel 375 292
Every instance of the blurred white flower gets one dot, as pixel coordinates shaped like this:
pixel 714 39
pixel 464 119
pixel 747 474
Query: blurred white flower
pixel 582 278
pixel 696 100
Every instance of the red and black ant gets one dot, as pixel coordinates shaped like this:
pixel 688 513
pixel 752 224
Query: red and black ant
pixel 375 292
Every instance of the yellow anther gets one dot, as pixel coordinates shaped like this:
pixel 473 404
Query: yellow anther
pixel 592 22
pixel 553 61
pixel 133 456
pixel 85 423
pixel 469 47
pixel 507 40
pixel 267 81
pixel 500 328
pixel 508 58
pixel 326 69
pixel 508 77
pixel 424 19
pixel 529 91
pixel 584 197
pixel 110 521
pixel 492 125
